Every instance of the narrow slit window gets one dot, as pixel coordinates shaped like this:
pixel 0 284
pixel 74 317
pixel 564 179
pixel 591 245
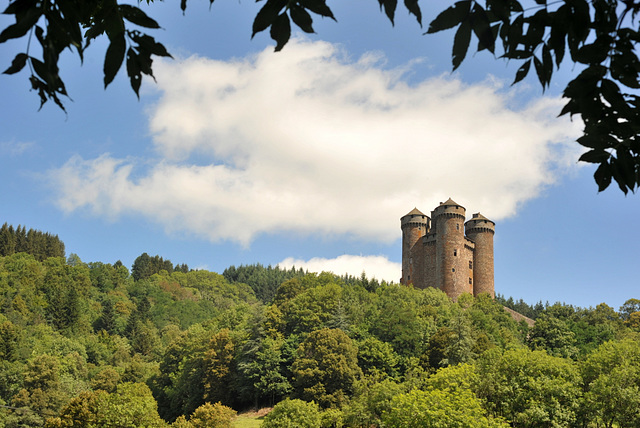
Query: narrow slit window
pixel 470 265
pixel 455 253
pixel 470 281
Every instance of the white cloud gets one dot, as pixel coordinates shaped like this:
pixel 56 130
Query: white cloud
pixel 308 142
pixel 379 267
pixel 13 148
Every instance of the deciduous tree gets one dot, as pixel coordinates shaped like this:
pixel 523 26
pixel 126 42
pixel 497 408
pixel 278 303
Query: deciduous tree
pixel 326 367
pixel 529 388
pixel 438 409
pixel 293 414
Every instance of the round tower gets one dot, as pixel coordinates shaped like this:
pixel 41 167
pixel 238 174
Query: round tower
pixel 452 278
pixel 481 230
pixel 414 226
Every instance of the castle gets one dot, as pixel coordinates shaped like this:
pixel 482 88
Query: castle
pixel 444 252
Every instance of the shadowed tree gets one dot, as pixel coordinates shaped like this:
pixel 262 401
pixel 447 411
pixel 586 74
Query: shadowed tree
pixel 595 39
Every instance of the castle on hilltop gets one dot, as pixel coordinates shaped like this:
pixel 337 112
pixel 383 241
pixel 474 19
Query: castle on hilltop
pixel 444 252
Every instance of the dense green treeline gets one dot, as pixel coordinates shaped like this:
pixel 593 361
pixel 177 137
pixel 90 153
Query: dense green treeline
pixel 144 266
pixel 263 281
pixel 20 240
pixel 89 344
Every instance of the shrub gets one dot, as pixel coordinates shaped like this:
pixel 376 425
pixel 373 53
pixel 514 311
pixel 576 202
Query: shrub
pixel 212 415
pixel 293 414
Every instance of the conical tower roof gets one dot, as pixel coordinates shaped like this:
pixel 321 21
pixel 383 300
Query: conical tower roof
pixel 414 217
pixel 478 216
pixel 450 202
pixel 478 220
pixel 414 211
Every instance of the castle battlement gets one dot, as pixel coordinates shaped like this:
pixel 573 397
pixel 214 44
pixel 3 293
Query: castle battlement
pixel 444 252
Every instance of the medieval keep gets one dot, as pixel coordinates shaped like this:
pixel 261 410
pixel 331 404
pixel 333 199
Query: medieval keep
pixel 444 252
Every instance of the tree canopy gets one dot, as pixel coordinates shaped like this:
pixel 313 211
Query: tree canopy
pixel 89 344
pixel 595 38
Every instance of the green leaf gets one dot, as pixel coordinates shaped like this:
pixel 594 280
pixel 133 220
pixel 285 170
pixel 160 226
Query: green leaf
pixel 596 52
pixel 536 24
pixel 414 9
pixel 518 54
pixel 511 35
pixel 522 72
pixel 114 24
pixel 618 176
pixel 43 71
pixel 626 167
pixel 301 18
pixel 624 68
pixel 602 176
pixel 482 29
pixel 593 141
pixel 558 32
pixel 318 7
pixel 389 8
pixel 450 17
pixel 18 6
pixel 595 156
pixel 281 31
pixel 267 15
pixel 547 63
pixel 578 25
pixel 611 92
pixel 461 44
pixel 24 22
pixel 137 16
pixel 499 9
pixel 570 107
pixel 540 72
pixel 114 58
pixel 133 71
pixel 17 64
pixel 148 45
pixel 94 31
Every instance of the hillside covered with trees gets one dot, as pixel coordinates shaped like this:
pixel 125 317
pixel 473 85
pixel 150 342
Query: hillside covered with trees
pixel 93 344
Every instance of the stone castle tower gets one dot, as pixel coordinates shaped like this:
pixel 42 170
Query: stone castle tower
pixel 444 252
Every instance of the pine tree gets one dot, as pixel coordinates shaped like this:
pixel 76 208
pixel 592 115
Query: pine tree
pixel 7 240
pixel 108 318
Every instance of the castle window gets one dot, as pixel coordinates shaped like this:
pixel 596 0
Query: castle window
pixel 457 226
pixel 455 253
pixel 453 269
pixel 470 264
pixel 470 281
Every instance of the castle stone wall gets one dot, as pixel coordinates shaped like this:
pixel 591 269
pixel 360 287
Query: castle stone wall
pixel 446 253
pixel 429 247
pixel 481 232
pixel 414 226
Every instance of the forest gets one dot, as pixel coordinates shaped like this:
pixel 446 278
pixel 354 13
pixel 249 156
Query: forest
pixel 93 344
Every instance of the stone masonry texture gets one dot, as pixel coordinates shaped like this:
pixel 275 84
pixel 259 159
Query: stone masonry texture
pixel 444 252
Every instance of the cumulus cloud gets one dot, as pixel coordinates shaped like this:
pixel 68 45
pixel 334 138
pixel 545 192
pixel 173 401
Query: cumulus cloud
pixel 309 141
pixel 379 267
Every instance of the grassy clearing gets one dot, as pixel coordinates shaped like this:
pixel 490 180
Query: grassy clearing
pixel 250 419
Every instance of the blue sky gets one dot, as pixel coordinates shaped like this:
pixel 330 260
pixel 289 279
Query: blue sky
pixel 310 156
